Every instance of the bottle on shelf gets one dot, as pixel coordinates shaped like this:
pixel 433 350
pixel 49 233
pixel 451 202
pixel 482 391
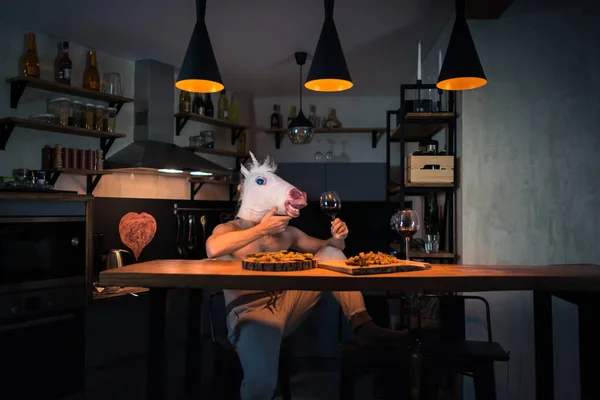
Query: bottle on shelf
pixel 312 114
pixel 241 143
pixel 209 108
pixel 431 147
pixel 332 121
pixel 31 63
pixel 91 77
pixel 185 102
pixel 442 152
pixel 223 104
pixel 275 117
pixel 198 104
pixel 234 109
pixel 63 66
pixel 292 115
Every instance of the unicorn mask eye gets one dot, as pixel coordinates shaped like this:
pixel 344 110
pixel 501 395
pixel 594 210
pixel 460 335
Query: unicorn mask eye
pixel 261 181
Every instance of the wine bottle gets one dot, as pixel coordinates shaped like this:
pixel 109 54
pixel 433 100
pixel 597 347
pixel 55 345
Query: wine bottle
pixel 234 109
pixel 31 63
pixel 209 108
pixel 185 102
pixel 292 115
pixel 275 117
pixel 198 104
pixel 64 66
pixel 91 77
pixel 223 104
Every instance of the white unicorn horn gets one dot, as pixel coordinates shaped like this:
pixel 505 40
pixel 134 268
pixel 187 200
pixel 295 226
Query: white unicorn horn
pixel 254 160
pixel 244 170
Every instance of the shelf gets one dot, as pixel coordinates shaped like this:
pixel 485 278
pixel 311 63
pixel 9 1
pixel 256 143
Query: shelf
pixel 419 188
pixel 428 185
pixel 218 152
pixel 197 183
pixel 419 126
pixel 421 254
pixel 18 85
pixel 376 133
pixel 182 119
pixel 8 124
pixel 134 291
pixel 93 176
pixel 57 196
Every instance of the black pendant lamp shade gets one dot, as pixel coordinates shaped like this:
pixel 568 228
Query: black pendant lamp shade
pixel 328 70
pixel 461 69
pixel 200 72
pixel 300 130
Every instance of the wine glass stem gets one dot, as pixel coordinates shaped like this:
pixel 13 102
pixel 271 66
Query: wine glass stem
pixel 407 240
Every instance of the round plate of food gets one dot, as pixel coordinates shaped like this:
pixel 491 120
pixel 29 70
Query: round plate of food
pixel 279 261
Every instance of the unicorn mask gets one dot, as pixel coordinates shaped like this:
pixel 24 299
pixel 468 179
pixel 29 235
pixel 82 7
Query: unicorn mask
pixel 261 190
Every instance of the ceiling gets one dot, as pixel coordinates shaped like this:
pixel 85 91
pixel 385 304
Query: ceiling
pixel 253 41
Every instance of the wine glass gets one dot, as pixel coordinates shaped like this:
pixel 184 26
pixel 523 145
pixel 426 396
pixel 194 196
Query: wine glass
pixel 330 203
pixel 407 224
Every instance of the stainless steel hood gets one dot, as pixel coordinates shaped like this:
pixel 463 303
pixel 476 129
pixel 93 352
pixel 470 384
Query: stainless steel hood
pixel 154 129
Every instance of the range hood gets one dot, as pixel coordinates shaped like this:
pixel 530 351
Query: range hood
pixel 154 128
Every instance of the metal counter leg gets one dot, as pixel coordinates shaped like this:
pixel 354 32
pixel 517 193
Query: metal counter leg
pixel 155 369
pixel 193 361
pixel 544 353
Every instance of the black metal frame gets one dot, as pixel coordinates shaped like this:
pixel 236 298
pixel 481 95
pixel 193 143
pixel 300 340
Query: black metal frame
pixel 451 148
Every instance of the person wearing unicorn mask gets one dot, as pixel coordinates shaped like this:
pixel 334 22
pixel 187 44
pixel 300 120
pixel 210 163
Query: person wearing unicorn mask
pixel 258 320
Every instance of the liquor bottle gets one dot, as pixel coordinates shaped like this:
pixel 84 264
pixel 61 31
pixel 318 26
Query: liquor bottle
pixel 332 121
pixel 292 115
pixel 63 66
pixel 275 117
pixel 209 108
pixel 234 109
pixel 185 102
pixel 312 114
pixel 91 77
pixel 198 104
pixel 223 104
pixel 31 63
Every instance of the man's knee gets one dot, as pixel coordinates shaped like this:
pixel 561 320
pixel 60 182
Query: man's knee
pixel 259 388
pixel 330 253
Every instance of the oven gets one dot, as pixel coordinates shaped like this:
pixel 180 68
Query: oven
pixel 42 300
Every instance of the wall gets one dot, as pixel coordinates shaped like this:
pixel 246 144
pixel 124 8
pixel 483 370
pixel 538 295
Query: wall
pixel 24 146
pixel 529 170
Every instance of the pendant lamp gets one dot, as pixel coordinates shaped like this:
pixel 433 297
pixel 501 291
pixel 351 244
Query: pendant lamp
pixel 328 70
pixel 462 69
pixel 199 72
pixel 300 130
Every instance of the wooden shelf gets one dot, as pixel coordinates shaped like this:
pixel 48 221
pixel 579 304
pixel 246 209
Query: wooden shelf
pixel 93 176
pixel 419 126
pixel 376 133
pixel 428 185
pixel 182 118
pixel 197 182
pixel 58 196
pixel 18 85
pixel 218 152
pixel 8 124
pixel 421 254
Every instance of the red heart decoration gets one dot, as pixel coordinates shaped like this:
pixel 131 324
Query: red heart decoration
pixel 136 231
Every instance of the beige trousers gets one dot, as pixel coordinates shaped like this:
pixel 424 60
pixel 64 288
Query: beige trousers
pixel 257 328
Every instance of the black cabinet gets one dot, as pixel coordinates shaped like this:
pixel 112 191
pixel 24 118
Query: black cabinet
pixel 353 181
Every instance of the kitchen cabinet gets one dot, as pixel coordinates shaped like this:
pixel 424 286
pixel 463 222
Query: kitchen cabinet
pixel 353 181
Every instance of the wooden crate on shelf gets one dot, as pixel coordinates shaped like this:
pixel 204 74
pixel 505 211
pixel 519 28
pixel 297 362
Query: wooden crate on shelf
pixel 429 170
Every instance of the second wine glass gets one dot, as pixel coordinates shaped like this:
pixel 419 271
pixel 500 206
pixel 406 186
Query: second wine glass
pixel 330 203
pixel 407 224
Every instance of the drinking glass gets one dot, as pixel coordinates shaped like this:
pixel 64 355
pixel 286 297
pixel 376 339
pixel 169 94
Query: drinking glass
pixel 407 224
pixel 330 203
pixel 111 84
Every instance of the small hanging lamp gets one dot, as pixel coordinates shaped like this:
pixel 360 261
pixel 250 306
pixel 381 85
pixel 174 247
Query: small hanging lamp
pixel 462 69
pixel 300 130
pixel 328 70
pixel 199 72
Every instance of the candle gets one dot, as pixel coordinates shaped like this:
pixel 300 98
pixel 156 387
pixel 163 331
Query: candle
pixel 419 63
pixel 440 61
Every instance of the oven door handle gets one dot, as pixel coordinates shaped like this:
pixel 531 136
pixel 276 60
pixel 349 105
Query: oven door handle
pixel 36 322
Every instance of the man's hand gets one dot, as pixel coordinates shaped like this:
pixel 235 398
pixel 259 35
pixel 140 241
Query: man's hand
pixel 272 224
pixel 339 230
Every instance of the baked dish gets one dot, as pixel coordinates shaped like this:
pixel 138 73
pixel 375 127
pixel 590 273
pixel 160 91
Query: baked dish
pixel 278 256
pixel 370 258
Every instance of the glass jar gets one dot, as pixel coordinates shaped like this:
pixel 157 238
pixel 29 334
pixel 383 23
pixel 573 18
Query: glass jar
pixel 207 139
pixel 88 117
pixel 99 117
pixel 60 107
pixel 111 115
pixel 78 112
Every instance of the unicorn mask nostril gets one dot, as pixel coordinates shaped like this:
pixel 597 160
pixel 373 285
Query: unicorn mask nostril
pixel 298 197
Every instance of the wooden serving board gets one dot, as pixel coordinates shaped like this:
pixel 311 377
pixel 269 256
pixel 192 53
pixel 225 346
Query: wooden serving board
pixel 278 266
pixel 402 266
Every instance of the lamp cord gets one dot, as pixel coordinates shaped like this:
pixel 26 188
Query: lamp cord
pixel 300 87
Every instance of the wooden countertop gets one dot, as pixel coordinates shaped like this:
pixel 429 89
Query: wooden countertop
pixel 44 196
pixel 441 277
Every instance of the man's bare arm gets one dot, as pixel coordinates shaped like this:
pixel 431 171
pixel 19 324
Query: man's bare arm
pixel 308 244
pixel 227 238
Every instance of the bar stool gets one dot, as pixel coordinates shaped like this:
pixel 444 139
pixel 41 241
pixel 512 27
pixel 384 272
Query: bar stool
pixel 457 355
pixel 359 360
pixel 227 370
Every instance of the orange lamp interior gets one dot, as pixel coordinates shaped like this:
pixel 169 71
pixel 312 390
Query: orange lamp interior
pixel 328 85
pixel 464 83
pixel 199 86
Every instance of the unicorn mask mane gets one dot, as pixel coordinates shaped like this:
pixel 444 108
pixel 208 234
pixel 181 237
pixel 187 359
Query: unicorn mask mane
pixel 261 190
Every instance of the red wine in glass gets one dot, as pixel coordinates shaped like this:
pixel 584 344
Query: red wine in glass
pixel 331 204
pixel 407 224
